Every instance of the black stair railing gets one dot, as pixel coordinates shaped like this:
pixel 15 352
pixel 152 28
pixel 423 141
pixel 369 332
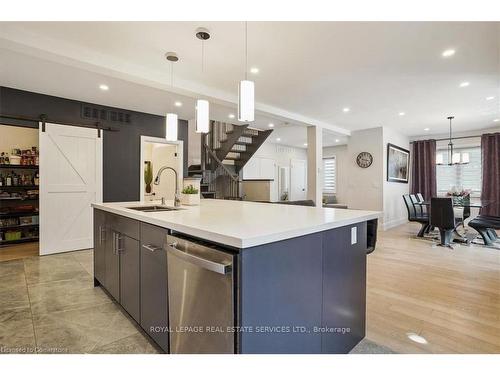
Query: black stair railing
pixel 220 179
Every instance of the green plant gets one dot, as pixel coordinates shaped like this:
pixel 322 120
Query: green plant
pixel 190 190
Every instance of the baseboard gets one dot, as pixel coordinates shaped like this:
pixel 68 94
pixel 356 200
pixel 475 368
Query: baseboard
pixel 394 223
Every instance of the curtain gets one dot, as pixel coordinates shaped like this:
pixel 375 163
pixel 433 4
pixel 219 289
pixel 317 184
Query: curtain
pixel 423 168
pixel 490 191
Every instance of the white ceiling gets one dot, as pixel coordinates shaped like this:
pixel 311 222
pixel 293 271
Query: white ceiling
pixel 309 71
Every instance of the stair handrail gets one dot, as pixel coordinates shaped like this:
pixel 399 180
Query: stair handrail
pixel 226 169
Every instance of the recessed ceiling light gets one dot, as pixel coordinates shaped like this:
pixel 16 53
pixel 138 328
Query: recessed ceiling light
pixel 464 84
pixel 402 113
pixel 496 120
pixel 104 87
pixel 427 129
pixel 278 139
pixel 231 115
pixel 490 98
pixel 417 338
pixel 448 53
pixel 337 140
pixel 254 70
pixel 271 125
pixel 305 144
pixel 346 109
pixel 178 104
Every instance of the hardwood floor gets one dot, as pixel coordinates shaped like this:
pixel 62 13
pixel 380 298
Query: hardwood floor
pixel 20 251
pixel 449 298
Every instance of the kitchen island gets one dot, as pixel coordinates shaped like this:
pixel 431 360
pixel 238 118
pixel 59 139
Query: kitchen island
pixel 237 277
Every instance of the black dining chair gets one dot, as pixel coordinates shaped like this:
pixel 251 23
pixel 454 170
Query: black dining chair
pixel 443 217
pixel 486 226
pixel 421 200
pixel 415 215
pixel 419 208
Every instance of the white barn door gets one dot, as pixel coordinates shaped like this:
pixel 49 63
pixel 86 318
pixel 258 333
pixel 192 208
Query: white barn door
pixel 70 181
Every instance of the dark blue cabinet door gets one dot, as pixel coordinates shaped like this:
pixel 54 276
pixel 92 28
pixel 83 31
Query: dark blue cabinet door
pixel 281 289
pixel 100 238
pixel 344 288
pixel 154 305
pixel 129 275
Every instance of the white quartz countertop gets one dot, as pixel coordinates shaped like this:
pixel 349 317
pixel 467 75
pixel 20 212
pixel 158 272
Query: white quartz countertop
pixel 243 224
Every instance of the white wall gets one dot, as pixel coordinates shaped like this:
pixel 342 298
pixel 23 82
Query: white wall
pixel 17 137
pixel 365 187
pixel 282 155
pixel 394 209
pixel 340 153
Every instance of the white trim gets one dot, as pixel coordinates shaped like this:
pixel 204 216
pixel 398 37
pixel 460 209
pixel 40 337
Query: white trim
pixel 394 223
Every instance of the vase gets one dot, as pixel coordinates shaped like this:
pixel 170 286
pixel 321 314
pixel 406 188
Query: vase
pixel 190 199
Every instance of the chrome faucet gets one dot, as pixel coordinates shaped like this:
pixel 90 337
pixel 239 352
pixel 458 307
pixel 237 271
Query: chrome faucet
pixel 177 200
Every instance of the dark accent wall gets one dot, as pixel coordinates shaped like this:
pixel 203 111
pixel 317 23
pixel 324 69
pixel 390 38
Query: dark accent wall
pixel 121 149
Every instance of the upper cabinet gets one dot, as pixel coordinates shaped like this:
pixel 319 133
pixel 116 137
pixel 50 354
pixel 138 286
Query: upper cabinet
pixel 258 168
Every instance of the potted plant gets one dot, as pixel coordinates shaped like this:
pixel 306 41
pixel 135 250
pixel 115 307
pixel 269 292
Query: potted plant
pixel 190 196
pixel 148 176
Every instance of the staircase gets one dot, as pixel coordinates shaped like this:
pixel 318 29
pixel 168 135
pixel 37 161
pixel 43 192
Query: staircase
pixel 225 150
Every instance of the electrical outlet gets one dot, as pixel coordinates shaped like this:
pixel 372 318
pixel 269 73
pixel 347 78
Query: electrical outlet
pixel 354 235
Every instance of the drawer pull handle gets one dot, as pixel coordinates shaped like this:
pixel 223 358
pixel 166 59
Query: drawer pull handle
pixel 151 248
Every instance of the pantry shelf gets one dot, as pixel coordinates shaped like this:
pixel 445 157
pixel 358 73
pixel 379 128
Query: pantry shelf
pixel 14 166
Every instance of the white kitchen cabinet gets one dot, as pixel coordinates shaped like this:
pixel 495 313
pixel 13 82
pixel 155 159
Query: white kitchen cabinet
pixel 258 168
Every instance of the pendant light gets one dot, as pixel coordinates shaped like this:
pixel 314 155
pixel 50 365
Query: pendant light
pixel 246 91
pixel 455 158
pixel 202 105
pixel 171 120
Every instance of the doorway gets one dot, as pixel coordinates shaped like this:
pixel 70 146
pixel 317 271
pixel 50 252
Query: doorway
pixel 19 192
pixel 156 153
pixel 298 180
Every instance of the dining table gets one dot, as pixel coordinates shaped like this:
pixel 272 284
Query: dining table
pixel 459 202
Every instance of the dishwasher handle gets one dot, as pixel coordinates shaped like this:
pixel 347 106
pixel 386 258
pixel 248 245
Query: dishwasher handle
pixel 221 268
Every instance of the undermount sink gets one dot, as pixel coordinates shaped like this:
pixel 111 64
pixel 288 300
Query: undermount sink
pixel 154 208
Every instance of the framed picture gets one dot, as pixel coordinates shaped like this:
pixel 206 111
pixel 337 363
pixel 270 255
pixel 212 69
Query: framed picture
pixel 398 164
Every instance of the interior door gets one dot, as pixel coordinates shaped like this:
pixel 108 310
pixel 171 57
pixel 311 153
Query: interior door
pixel 298 180
pixel 70 181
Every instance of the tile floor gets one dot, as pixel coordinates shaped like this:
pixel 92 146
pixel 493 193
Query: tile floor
pixel 49 305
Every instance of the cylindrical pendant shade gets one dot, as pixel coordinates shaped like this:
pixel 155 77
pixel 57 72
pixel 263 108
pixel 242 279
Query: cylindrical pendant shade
pixel 465 158
pixel 246 101
pixel 202 116
pixel 171 127
pixel 456 158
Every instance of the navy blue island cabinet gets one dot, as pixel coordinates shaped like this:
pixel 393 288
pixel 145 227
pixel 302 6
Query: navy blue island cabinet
pixel 303 295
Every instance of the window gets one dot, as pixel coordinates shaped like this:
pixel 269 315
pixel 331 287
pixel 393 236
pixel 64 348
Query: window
pixel 460 176
pixel 329 175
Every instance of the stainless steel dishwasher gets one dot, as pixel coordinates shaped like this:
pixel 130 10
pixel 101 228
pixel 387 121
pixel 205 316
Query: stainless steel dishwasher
pixel 200 297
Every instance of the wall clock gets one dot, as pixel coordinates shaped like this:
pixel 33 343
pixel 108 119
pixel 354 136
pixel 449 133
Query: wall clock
pixel 364 159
